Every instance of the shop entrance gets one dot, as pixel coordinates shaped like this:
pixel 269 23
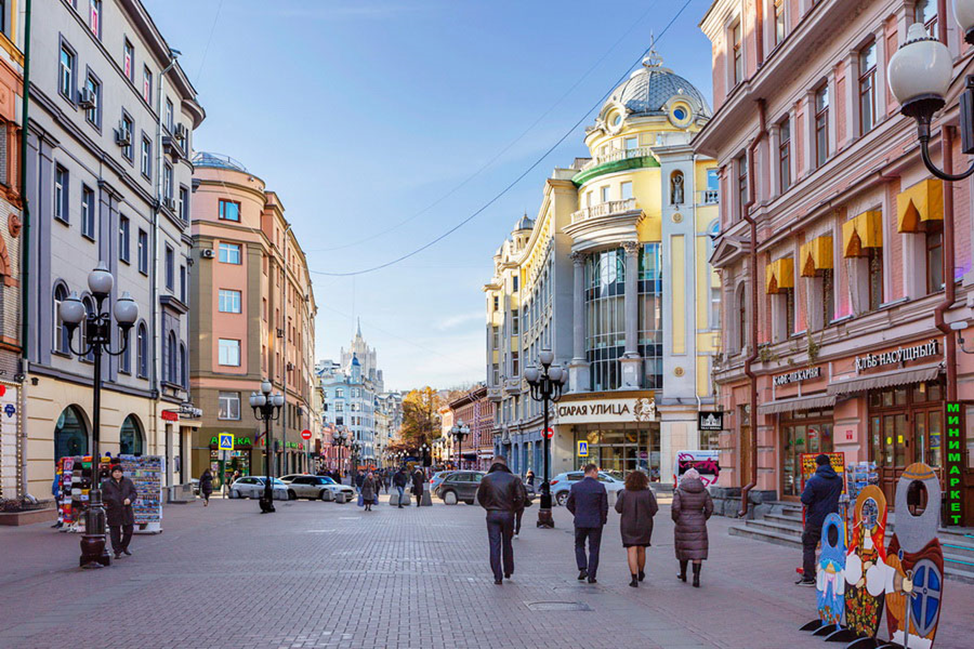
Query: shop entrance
pixel 620 449
pixel 806 431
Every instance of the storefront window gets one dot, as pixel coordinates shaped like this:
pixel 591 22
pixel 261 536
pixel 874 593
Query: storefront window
pixel 70 434
pixel 812 435
pixel 621 449
pixel 651 315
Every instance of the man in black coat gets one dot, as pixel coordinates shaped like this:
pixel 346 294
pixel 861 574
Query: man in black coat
pixel 419 480
pixel 399 481
pixel 118 493
pixel 821 498
pixel 502 494
pixel 589 502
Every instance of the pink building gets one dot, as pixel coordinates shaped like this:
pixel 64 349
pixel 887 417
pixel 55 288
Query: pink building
pixel 474 409
pixel 835 245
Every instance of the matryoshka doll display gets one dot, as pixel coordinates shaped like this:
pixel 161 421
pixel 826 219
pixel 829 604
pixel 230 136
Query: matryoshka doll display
pixel 830 580
pixel 914 571
pixel 865 588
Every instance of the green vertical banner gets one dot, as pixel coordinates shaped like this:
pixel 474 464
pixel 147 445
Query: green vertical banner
pixel 954 464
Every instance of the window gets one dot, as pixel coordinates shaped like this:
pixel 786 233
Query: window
pixel 182 283
pixel 935 259
pixel 93 112
pixel 875 270
pixel 169 116
pixel 170 267
pixel 172 362
pixel 128 61
pixel 143 250
pixel 66 73
pixel 167 180
pixel 712 194
pixel 61 187
pixel 229 253
pixel 741 185
pixel 142 344
pixel 741 319
pixel 89 310
pixel 87 212
pixel 515 281
pixel 515 364
pixel 125 361
pixel 605 274
pixel 183 203
pixel 128 126
pixel 867 88
pixel 147 85
pixel 229 406
pixel 145 164
pixel 515 323
pixel 737 35
pixel 779 20
pixel 229 210
pixel 626 190
pixel 630 143
pixel 497 302
pixel 94 17
pixel 183 367
pixel 123 238
pixel 229 352
pixel 925 13
pixel 821 125
pixel 784 155
pixel 61 341
pixel 605 193
pixel 229 301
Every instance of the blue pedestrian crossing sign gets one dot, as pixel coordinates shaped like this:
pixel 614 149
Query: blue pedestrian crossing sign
pixel 226 441
pixel 583 449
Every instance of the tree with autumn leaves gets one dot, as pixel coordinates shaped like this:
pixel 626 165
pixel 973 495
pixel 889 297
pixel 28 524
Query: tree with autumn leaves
pixel 420 418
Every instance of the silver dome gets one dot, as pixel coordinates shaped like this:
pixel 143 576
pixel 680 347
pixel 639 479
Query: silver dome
pixel 648 90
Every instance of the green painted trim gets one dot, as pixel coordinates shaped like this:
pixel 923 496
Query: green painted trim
pixel 583 177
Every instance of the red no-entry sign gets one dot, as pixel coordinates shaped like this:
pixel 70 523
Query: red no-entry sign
pixel 550 433
pixel 305 434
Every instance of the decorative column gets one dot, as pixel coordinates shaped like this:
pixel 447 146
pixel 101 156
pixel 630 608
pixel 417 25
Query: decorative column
pixel 631 361
pixel 578 369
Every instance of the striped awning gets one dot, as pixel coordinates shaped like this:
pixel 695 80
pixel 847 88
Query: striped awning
pixel 811 402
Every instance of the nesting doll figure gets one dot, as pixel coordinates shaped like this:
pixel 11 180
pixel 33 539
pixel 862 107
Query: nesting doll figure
pixel 830 581
pixel 864 587
pixel 914 570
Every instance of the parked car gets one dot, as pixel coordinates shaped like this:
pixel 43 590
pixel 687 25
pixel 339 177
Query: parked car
pixel 303 485
pixel 460 486
pixel 561 484
pixel 437 479
pixel 252 486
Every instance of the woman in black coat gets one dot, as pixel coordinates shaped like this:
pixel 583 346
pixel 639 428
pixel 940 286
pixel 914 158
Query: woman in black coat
pixel 118 493
pixel 692 507
pixel 206 486
pixel 419 479
pixel 637 504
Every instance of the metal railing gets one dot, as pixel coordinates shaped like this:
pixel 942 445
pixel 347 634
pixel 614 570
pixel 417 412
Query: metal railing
pixel 614 155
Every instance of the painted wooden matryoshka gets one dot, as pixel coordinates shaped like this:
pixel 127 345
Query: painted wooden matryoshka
pixel 830 580
pixel 914 571
pixel 864 588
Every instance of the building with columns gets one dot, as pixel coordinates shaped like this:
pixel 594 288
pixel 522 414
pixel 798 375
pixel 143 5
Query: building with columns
pixel 612 275
pixel 844 300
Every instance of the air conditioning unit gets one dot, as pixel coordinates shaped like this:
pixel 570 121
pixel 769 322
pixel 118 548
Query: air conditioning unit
pixel 207 253
pixel 169 203
pixel 181 132
pixel 123 137
pixel 86 98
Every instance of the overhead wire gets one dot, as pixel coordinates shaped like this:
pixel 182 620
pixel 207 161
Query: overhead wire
pixel 520 176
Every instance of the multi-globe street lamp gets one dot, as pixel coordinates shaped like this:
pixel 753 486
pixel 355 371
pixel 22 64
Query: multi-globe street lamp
pixel 425 449
pixel 96 338
pixel 459 431
pixel 267 407
pixel 547 383
pixel 354 448
pixel 340 439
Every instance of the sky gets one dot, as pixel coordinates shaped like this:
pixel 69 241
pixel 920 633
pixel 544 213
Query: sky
pixel 382 124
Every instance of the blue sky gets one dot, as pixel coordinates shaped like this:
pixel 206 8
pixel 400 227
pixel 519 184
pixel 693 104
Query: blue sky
pixel 363 113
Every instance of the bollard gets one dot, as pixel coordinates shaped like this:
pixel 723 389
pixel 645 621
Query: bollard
pixel 427 499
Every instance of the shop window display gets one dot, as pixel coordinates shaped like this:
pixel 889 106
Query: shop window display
pixel 621 449
pixel 803 432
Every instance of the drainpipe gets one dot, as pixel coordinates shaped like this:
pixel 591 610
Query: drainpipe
pixel 753 353
pixel 24 258
pixel 950 343
pixel 759 33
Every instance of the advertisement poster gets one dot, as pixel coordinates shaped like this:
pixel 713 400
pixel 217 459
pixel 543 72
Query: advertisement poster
pixel 808 466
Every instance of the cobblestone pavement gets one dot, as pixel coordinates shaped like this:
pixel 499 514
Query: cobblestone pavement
pixel 325 575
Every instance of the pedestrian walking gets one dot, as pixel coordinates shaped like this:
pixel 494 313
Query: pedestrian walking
pixel 118 494
pixel 589 503
pixel 529 478
pixel 206 486
pixel 637 504
pixel 387 479
pixel 519 514
pixel 419 481
pixel 359 479
pixel 369 494
pixel 821 498
pixel 502 494
pixel 229 481
pixel 692 507
pixel 399 481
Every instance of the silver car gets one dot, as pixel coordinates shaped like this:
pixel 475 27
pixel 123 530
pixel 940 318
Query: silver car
pixel 561 484
pixel 252 486
pixel 303 485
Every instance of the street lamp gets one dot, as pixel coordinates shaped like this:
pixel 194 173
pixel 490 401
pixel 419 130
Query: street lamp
pixel 267 407
pixel 425 450
pixel 340 439
pixel 459 431
pixel 355 448
pixel 919 77
pixel 96 338
pixel 547 383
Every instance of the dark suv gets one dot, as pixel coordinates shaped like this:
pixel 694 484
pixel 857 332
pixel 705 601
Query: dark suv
pixel 460 486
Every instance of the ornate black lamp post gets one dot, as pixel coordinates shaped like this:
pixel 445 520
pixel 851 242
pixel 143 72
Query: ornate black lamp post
pixel 355 448
pixel 546 386
pixel 340 438
pixel 267 407
pixel 459 431
pixel 425 449
pixel 96 338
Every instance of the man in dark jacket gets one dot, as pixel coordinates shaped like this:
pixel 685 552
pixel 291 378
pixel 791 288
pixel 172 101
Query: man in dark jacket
pixel 118 493
pixel 419 481
pixel 821 498
pixel 589 503
pixel 399 481
pixel 502 494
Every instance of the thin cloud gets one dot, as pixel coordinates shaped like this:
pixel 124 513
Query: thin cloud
pixel 457 320
pixel 352 9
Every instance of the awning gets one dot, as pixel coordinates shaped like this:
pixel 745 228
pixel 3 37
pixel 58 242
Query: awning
pixel 797 403
pixel 922 202
pixel 816 255
pixel 885 379
pixel 780 274
pixel 864 231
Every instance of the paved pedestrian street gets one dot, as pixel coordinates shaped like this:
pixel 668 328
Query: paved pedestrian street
pixel 320 574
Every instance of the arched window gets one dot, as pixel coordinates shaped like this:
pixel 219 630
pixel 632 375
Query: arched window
pixel 131 440
pixel 171 349
pixel 676 187
pixel 60 331
pixel 70 434
pixel 142 344
pixel 183 365
pixel 90 310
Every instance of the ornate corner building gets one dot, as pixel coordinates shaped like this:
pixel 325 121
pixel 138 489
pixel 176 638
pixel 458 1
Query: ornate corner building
pixel 612 275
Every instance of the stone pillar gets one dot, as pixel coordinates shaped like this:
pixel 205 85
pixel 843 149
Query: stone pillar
pixel 631 361
pixel 578 370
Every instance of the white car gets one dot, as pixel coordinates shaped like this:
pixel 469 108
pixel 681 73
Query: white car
pixel 562 483
pixel 252 486
pixel 304 485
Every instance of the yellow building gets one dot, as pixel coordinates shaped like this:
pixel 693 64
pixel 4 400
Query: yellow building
pixel 613 276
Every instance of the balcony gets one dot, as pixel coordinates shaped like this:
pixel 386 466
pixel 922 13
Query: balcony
pixel 494 394
pixel 616 160
pixel 512 386
pixel 709 197
pixel 609 208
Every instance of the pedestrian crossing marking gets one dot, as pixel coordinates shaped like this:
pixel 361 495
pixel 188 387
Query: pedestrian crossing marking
pixel 226 441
